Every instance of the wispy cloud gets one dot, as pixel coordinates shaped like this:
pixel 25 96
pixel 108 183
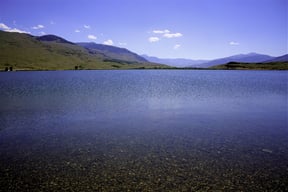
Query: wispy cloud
pixel 108 42
pixel 8 29
pixel 38 27
pixel 153 39
pixel 52 22
pixel 161 31
pixel 87 26
pixel 177 46
pixel 234 43
pixel 92 37
pixel 77 31
pixel 172 35
pixel 42 33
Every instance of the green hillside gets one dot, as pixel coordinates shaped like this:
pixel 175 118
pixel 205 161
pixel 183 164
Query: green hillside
pixel 26 52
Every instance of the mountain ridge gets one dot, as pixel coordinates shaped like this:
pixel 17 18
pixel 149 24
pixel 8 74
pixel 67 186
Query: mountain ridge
pixel 175 62
pixel 244 58
pixel 282 58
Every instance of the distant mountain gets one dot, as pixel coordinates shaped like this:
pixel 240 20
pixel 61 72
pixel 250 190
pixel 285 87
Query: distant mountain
pixel 283 58
pixel 243 58
pixel 179 62
pixel 49 52
pixel 113 52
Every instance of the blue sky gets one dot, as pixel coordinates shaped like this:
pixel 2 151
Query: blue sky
pixel 195 29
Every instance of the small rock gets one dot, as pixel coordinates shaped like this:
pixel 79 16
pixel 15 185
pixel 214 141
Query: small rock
pixel 267 150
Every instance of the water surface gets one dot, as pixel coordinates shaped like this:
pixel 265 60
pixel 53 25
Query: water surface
pixel 146 130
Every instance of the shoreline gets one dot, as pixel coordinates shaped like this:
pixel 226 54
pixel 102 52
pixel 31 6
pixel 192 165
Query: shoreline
pixel 196 69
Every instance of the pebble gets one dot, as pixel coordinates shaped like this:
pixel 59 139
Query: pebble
pixel 267 150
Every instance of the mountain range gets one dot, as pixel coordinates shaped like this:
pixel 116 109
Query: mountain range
pixel 244 58
pixel 179 62
pixel 49 52
pixel 241 58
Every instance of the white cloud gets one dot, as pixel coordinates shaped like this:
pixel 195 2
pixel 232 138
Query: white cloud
pixel 177 46
pixel 161 31
pixel 172 35
pixel 92 37
pixel 87 27
pixel 38 27
pixel 234 43
pixel 108 42
pixel 8 29
pixel 77 31
pixel 153 39
pixel 4 27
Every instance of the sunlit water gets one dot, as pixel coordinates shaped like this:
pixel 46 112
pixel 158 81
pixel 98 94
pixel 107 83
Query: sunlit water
pixel 146 130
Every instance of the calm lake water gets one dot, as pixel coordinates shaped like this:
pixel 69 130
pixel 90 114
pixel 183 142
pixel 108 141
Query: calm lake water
pixel 144 130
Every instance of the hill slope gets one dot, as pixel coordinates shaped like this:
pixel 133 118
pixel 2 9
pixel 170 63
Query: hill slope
pixel 23 51
pixel 49 52
pixel 53 38
pixel 283 58
pixel 113 52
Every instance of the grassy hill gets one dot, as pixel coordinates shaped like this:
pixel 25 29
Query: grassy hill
pixel 253 66
pixel 26 52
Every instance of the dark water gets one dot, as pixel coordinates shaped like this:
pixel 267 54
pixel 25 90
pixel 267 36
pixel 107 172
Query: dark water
pixel 144 131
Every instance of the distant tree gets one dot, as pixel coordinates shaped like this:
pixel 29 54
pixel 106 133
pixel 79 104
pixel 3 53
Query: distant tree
pixel 6 69
pixel 10 68
pixel 76 67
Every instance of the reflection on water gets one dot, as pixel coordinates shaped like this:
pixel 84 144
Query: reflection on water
pixel 143 131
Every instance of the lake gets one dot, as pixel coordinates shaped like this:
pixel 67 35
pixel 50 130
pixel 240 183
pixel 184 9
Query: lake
pixel 144 130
